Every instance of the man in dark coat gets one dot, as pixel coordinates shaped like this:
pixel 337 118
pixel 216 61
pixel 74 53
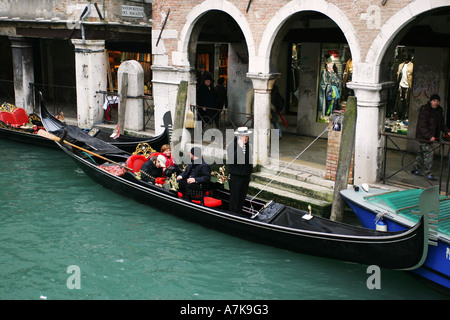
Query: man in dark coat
pixel 152 171
pixel 206 100
pixel 430 124
pixel 240 168
pixel 198 171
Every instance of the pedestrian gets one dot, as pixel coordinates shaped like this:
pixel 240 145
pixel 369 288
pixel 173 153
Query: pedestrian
pixel 197 172
pixel 430 124
pixel 276 106
pixel 206 100
pixel 240 168
pixel 221 99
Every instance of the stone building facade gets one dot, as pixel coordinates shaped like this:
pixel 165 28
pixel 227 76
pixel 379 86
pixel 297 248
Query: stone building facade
pixel 262 37
pixel 70 50
pixel 252 45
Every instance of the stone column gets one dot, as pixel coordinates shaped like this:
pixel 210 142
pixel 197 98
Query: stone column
pixel 262 84
pixel 23 66
pixel 91 77
pixel 134 113
pixel 371 103
pixel 165 82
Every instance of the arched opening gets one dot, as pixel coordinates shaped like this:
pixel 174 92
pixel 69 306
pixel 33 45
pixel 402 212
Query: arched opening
pixel 417 62
pixel 218 46
pixel 305 44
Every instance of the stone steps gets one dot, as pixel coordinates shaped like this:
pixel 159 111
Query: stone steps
pixel 297 186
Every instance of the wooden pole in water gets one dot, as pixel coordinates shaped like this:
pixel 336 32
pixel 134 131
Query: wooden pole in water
pixel 345 158
pixel 123 101
pixel 180 109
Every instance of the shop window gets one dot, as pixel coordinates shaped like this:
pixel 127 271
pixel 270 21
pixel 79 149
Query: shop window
pixel 335 70
pixel 145 59
pixel 402 74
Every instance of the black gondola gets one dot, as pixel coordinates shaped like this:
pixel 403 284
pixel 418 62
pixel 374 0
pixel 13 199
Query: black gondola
pixel 16 125
pixel 123 142
pixel 266 221
pixel 27 134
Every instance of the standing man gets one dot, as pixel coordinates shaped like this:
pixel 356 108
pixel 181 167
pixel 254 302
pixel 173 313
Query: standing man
pixel 240 167
pixel 206 100
pixel 429 126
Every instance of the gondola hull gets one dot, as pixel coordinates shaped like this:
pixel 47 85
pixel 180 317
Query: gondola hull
pixel 23 136
pixel 276 225
pixel 124 142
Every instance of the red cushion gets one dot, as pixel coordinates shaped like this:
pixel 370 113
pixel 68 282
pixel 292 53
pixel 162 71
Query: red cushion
pixel 20 115
pixel 135 162
pixel 209 202
pixel 7 117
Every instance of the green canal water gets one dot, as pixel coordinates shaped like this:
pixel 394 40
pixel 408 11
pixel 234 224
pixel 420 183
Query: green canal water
pixel 62 236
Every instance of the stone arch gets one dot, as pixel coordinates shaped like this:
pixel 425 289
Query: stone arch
pixel 391 28
pixel 197 12
pixel 262 62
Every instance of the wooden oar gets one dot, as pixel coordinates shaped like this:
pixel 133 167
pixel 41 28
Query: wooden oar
pixel 51 136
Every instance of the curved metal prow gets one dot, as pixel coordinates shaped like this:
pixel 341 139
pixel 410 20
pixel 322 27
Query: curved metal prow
pixel 429 208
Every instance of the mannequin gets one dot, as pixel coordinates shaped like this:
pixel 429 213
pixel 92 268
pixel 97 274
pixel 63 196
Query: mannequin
pixel 330 85
pixel 404 79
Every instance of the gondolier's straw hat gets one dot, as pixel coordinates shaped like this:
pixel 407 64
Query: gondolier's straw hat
pixel 242 131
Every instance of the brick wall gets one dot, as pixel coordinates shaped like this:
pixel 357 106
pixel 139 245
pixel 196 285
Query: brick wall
pixel 333 148
pixel 359 13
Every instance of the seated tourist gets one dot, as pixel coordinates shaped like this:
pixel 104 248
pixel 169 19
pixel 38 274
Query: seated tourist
pixel 166 151
pixel 198 171
pixel 152 171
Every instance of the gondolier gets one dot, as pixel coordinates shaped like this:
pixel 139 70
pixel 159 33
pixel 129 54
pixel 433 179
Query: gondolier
pixel 240 167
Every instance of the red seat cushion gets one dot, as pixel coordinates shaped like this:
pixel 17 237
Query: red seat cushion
pixel 209 202
pixel 7 118
pixel 20 115
pixel 135 162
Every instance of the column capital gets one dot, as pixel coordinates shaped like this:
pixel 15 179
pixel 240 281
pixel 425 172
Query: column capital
pixel 263 82
pixel 20 42
pixel 88 46
pixel 370 94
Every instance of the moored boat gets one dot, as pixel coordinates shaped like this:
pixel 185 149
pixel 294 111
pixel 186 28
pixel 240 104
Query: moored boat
pixel 17 125
pixel 263 221
pixel 123 142
pixel 395 211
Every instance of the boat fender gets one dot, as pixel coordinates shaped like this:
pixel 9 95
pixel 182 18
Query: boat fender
pixel 381 225
pixel 365 187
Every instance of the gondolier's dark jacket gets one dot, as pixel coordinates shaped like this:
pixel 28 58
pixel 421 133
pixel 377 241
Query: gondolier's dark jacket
pixel 430 123
pixel 239 163
pixel 200 171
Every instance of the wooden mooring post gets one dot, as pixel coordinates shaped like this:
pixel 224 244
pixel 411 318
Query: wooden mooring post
pixel 180 110
pixel 123 102
pixel 346 149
